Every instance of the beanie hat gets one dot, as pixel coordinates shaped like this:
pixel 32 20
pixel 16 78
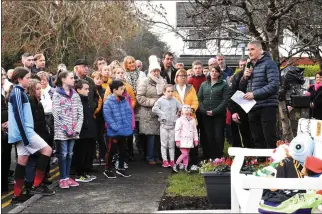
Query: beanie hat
pixel 153 63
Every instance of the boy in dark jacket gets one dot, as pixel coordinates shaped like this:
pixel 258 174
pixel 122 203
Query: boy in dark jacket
pixel 83 146
pixel 118 116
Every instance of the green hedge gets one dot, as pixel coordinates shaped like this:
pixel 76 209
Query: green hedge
pixel 310 70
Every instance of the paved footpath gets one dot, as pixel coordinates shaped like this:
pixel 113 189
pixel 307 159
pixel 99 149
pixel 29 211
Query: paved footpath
pixel 137 194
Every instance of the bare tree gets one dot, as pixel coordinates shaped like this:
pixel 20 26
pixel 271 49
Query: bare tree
pixel 65 30
pixel 264 21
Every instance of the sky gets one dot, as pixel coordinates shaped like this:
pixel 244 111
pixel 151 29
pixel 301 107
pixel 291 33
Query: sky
pixel 175 44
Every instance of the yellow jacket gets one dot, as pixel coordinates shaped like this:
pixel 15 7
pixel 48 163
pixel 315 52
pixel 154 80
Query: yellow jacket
pixel 128 89
pixel 190 98
pixel 105 85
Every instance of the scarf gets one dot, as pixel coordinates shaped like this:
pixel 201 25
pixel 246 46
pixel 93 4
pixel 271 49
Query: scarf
pixel 132 77
pixel 317 86
pixel 160 83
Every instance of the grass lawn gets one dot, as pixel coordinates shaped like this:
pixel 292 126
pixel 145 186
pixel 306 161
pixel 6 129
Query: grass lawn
pixel 183 184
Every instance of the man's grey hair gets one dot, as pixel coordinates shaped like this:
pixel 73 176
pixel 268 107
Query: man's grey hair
pixel 258 44
pixel 220 54
pixel 243 59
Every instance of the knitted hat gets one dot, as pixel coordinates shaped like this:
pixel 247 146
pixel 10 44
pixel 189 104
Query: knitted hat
pixel 314 164
pixel 153 63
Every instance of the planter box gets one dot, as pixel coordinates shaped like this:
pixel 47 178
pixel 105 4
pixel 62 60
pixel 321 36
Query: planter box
pixel 218 188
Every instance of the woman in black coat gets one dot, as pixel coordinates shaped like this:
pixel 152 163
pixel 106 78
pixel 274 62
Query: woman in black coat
pixel 315 92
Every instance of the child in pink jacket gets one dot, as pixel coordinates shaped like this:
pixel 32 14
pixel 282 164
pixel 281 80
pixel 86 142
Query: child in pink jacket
pixel 186 136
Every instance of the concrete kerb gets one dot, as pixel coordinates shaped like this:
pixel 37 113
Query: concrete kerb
pixel 31 200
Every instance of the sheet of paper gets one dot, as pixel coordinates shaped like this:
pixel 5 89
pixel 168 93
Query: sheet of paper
pixel 246 105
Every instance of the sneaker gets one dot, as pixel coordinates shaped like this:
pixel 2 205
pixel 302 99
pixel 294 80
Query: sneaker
pixel 123 172
pixel 186 169
pixel 165 164
pixel 20 199
pixel 175 168
pixel 47 182
pixel 181 166
pixel 159 161
pixel 109 174
pixel 194 168
pixel 126 166
pixel 92 177
pixel 152 162
pixel 72 183
pixel 42 189
pixel 171 163
pixel 82 179
pixel 63 184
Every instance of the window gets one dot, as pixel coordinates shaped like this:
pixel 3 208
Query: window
pixel 195 40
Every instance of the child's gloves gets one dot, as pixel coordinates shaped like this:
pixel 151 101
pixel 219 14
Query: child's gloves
pixel 196 143
pixel 177 143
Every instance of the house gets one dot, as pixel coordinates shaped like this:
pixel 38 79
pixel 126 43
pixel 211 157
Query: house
pixel 227 41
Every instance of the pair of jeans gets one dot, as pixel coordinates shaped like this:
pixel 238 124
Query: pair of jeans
pixel 64 151
pixel 262 124
pixel 150 156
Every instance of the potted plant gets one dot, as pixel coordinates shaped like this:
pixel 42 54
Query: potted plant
pixel 216 174
pixel 217 179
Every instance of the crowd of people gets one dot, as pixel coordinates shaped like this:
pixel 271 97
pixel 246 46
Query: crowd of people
pixel 114 106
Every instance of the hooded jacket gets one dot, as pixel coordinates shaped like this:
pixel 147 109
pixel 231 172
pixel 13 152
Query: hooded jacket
pixel 68 114
pixel 167 110
pixel 118 116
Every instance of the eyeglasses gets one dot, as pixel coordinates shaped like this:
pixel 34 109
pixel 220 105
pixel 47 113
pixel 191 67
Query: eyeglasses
pixel 183 76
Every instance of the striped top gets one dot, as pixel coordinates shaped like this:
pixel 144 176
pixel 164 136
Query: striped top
pixel 68 114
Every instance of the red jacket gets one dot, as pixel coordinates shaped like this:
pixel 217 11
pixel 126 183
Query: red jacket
pixel 196 81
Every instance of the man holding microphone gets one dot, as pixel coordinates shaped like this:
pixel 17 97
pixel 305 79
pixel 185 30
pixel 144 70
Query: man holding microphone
pixel 261 82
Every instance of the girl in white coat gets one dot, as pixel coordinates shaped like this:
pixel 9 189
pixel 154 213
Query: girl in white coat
pixel 186 136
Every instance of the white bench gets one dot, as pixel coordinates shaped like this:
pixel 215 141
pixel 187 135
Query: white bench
pixel 247 201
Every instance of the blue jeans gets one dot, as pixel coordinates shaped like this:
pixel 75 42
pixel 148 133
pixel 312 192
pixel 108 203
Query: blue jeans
pixel 150 147
pixel 64 151
pixel 31 169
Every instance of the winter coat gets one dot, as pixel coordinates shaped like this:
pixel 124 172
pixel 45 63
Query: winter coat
pixel 186 132
pixel 228 72
pixel 190 98
pixel 21 125
pixel 264 83
pixel 167 111
pixel 146 98
pixel 88 128
pixel 165 75
pixel 232 106
pixel 132 78
pixel 46 99
pixel 213 98
pixel 92 95
pixel 4 110
pixel 99 115
pixel 68 114
pixel 38 115
pixel 118 116
pixel 316 99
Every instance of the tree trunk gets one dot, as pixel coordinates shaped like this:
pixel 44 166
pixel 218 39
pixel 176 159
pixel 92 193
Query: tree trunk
pixel 285 122
pixel 283 119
